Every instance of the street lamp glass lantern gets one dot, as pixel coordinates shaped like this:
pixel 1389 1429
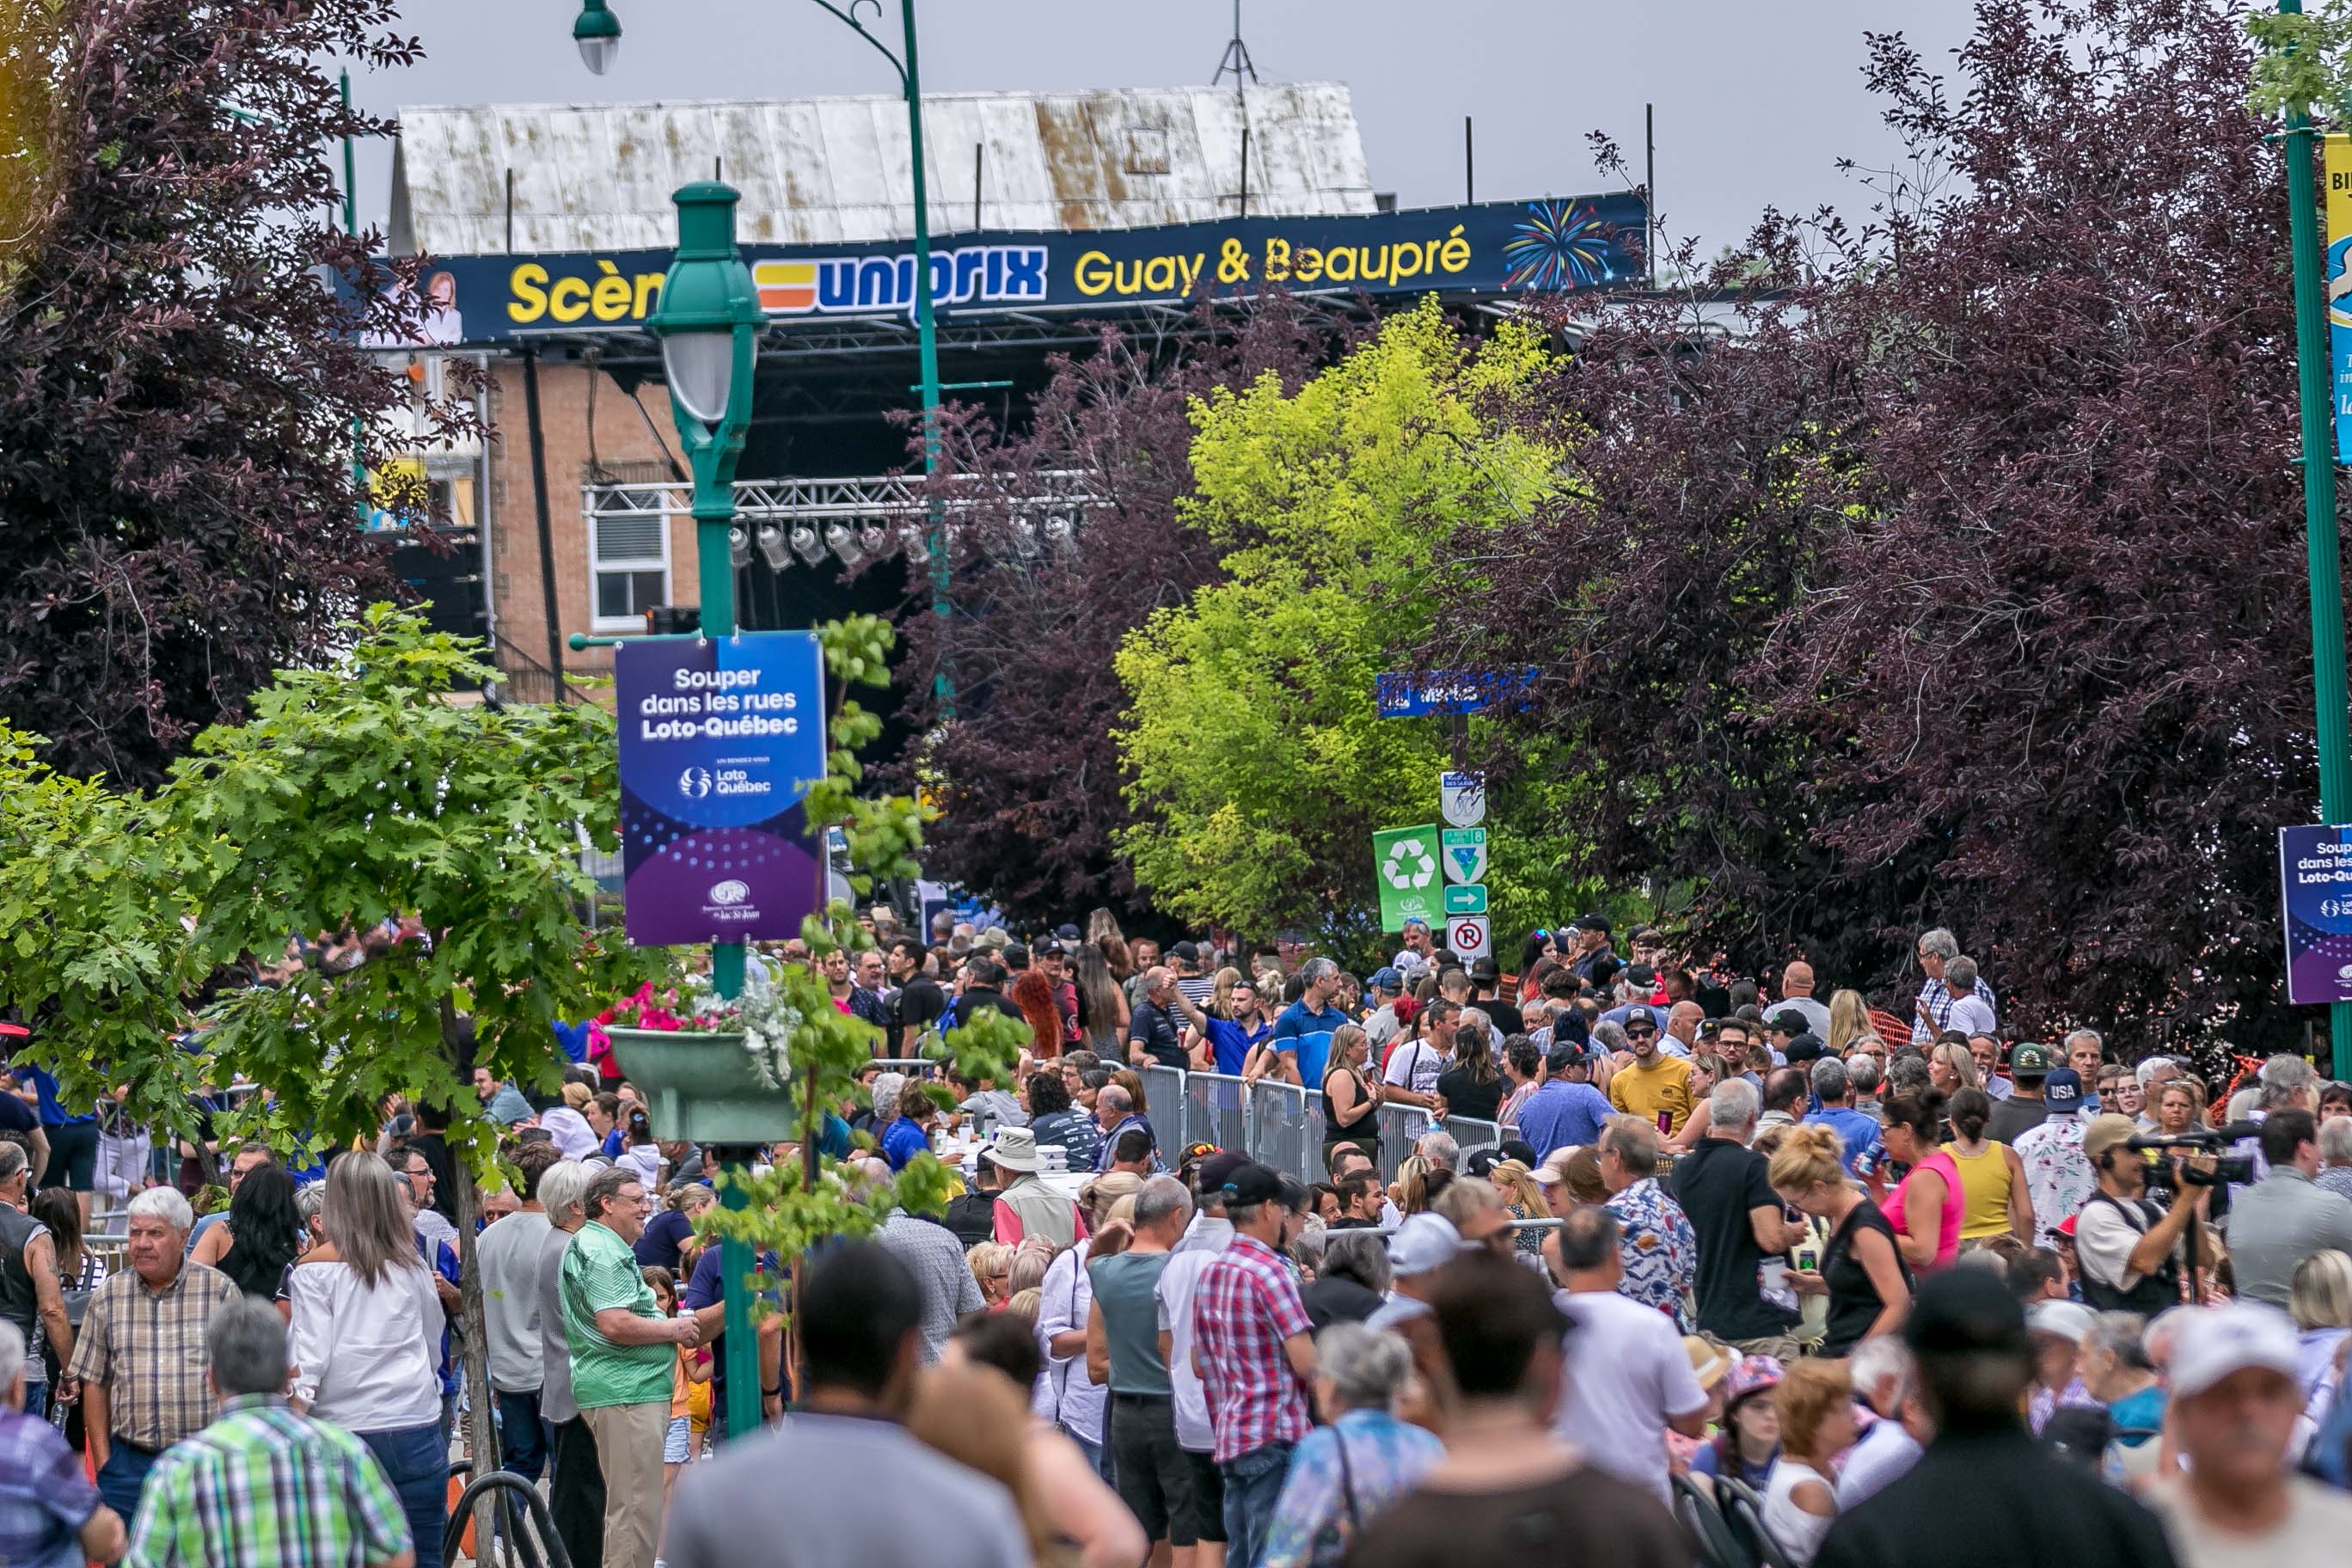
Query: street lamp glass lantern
pixel 701 370
pixel 598 33
pixel 709 320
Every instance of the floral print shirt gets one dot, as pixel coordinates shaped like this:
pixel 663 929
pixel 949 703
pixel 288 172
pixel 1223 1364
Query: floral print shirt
pixel 2058 1174
pixel 1659 1248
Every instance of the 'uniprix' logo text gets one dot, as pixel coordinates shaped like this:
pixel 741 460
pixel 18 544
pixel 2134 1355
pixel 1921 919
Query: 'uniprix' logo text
pixel 886 282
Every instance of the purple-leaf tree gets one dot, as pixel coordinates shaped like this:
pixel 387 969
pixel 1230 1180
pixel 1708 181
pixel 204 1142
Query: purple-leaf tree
pixel 1965 585
pixel 187 412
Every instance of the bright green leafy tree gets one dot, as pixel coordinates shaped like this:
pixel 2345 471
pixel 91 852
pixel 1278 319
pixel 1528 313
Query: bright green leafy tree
pixel 380 789
pixel 1260 765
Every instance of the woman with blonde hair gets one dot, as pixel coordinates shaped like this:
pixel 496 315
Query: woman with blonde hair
pixel 990 1263
pixel 1862 1270
pixel 1950 1067
pixel 1524 1198
pixel 2319 1300
pixel 1815 1404
pixel 1097 1197
pixel 364 1323
pixel 1849 1021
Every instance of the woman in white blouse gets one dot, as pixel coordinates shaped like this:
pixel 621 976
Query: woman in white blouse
pixel 365 1324
pixel 1815 1404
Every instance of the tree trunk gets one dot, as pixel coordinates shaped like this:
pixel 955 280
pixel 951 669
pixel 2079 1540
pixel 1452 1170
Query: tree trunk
pixel 481 1433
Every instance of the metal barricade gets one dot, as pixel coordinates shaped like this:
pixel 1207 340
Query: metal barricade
pixel 1216 1111
pixel 1277 1128
pixel 1471 1134
pixel 1317 1130
pixel 1400 1125
pixel 1164 1094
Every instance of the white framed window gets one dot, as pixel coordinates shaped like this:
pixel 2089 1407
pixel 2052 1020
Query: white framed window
pixel 628 562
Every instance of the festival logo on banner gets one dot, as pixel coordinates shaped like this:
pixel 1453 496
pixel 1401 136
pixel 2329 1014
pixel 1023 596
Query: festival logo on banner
pixel 720 740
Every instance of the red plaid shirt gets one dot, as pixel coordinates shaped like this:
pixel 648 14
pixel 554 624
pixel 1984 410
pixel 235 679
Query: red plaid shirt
pixel 1246 1305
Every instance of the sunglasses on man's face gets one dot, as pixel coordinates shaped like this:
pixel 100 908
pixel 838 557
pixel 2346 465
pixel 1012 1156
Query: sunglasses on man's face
pixel 1641 1034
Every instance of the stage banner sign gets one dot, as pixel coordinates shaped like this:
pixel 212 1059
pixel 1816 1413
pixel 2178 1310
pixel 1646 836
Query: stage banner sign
pixel 720 740
pixel 1555 245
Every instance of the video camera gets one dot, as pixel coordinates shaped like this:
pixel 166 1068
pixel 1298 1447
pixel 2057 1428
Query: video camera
pixel 2231 1168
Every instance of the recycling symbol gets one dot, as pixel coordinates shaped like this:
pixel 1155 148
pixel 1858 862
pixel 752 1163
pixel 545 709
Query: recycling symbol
pixel 1409 865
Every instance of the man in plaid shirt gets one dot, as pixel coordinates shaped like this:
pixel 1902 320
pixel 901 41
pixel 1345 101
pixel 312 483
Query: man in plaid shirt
pixel 263 1487
pixel 1254 1353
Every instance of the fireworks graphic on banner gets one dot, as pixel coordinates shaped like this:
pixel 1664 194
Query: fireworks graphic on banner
pixel 1557 246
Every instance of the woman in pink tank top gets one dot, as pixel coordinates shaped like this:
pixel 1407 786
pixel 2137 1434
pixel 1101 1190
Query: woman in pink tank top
pixel 1925 1211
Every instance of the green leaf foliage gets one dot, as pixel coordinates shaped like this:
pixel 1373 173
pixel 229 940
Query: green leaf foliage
pixel 1260 765
pixel 378 789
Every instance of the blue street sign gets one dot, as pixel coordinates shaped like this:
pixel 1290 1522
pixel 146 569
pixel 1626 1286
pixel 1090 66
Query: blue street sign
pixel 1400 696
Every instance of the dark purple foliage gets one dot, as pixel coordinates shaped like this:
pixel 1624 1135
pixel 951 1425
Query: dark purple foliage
pixel 178 387
pixel 1969 588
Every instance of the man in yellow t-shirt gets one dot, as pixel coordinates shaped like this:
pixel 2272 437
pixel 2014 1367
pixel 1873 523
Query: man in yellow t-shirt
pixel 1654 1081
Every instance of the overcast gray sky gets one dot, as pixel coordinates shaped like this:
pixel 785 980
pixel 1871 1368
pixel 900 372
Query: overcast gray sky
pixel 1755 103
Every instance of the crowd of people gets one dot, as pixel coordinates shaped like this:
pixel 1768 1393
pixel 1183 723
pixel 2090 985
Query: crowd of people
pixel 1738 1265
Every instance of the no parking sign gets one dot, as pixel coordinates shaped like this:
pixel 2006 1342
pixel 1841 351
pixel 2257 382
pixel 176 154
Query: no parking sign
pixel 1466 935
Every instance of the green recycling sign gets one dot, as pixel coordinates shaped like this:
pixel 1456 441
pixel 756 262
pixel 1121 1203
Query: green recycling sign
pixel 1405 869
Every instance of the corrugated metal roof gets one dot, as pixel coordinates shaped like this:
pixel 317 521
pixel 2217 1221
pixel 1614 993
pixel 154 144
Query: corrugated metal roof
pixel 835 170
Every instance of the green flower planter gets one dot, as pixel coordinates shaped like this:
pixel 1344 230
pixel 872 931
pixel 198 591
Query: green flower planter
pixel 703 1087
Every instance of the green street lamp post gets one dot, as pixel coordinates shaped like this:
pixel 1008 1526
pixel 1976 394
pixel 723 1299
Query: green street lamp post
pixel 2323 566
pixel 709 322
pixel 597 31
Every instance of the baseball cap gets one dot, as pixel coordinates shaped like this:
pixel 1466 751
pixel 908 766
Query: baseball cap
pixel 1751 1374
pixel 2029 1060
pixel 1424 1244
pixel 1386 978
pixel 1189 952
pixel 2111 1131
pixel 1593 922
pixel 1481 1163
pixel 2060 1319
pixel 1966 1311
pixel 1485 969
pixel 1789 1021
pixel 1251 1183
pixel 1409 964
pixel 2063 1088
pixel 1066 932
pixel 2218 1342
pixel 1218 1169
pixel 1805 1048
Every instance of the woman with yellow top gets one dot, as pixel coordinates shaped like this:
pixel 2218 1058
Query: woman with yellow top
pixel 1993 1196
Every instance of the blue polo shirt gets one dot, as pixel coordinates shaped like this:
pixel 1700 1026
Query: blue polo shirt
pixel 1563 1115
pixel 53 1113
pixel 1308 1033
pixel 1231 1043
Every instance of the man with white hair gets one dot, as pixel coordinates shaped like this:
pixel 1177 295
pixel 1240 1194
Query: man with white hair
pixel 1931 1013
pixel 1439 1150
pixel 140 1358
pixel 576 1480
pixel 49 1512
pixel 1883 1379
pixel 1971 1010
pixel 2153 1074
pixel 1739 1224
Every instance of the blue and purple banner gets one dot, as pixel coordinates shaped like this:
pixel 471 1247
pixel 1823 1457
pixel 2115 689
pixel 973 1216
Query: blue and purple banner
pixel 720 740
pixel 2315 887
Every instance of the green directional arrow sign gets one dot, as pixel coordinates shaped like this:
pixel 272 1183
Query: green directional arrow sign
pixel 1470 899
